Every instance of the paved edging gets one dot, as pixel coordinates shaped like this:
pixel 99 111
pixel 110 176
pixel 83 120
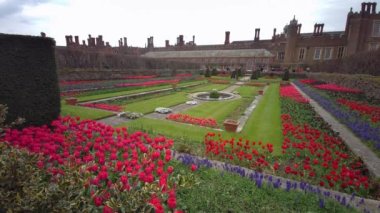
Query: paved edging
pixel 280 182
pixel 352 141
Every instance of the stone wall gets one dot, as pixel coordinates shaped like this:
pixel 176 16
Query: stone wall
pixel 360 63
pixel 77 64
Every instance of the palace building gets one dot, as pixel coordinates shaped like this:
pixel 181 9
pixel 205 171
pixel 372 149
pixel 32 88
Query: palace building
pixel 290 49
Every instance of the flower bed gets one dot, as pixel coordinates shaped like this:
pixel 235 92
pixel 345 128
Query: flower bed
pixel 183 118
pixel 292 93
pixel 108 107
pixel 311 152
pixel 336 88
pixel 140 76
pixel 117 171
pixel 183 75
pixel 218 81
pixel 355 122
pixel 147 83
pixel 372 111
pixel 308 81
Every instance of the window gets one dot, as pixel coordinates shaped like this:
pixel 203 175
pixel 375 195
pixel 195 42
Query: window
pixel 373 46
pixel 301 55
pixel 340 52
pixel 328 53
pixel 376 29
pixel 280 56
pixel 317 53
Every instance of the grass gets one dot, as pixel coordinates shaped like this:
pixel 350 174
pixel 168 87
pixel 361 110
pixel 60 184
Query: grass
pixel 247 91
pixel 219 110
pixel 109 93
pixel 265 122
pixel 148 105
pixel 83 112
pixel 207 87
pixel 215 191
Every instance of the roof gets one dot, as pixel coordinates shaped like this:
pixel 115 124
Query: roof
pixel 210 54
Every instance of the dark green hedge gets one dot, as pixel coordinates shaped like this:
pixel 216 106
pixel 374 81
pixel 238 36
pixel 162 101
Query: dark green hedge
pixel 28 78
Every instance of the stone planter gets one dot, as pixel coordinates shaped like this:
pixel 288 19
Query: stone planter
pixel 71 101
pixel 261 92
pixel 230 125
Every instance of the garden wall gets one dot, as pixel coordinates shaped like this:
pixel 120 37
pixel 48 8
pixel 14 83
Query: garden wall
pixel 92 64
pixel 369 84
pixel 361 63
pixel 29 82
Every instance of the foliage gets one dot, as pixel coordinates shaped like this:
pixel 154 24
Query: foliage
pixel 114 170
pixel 214 72
pixel 214 94
pixel 131 115
pixel 255 75
pixel 29 81
pixel 286 75
pixel 207 73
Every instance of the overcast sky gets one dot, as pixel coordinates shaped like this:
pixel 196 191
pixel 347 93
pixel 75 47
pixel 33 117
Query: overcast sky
pixel 166 19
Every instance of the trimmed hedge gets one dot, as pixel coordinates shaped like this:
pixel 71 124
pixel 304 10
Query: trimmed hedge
pixel 29 82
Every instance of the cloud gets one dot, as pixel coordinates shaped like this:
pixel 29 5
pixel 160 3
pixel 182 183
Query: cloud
pixel 12 7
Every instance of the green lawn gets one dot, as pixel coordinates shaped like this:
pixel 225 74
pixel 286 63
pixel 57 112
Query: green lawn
pixel 207 87
pixel 83 112
pixel 108 94
pixel 247 91
pixel 265 122
pixel 148 105
pixel 214 191
pixel 219 110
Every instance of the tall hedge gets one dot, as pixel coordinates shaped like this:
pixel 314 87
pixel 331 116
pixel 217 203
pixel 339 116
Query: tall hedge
pixel 28 78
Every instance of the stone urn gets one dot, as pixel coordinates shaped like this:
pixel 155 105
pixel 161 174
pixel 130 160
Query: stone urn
pixel 261 92
pixel 71 101
pixel 230 125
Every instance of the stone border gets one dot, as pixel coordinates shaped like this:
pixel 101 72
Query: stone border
pixel 231 97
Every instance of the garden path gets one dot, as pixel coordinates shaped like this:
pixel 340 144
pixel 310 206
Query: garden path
pixel 354 143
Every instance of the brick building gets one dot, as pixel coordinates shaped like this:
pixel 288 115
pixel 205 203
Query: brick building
pixel 289 49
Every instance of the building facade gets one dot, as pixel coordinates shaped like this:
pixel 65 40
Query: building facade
pixel 289 49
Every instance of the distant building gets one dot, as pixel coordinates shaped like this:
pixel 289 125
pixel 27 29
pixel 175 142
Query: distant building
pixel 290 49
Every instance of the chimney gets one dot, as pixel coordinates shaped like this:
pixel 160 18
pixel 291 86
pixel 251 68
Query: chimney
pixel 83 42
pixel 67 41
pixel 321 31
pixel 125 41
pixel 76 40
pixel 167 43
pixel 374 7
pixel 193 39
pixel 274 32
pixel 181 41
pixel 257 34
pixel 43 34
pixel 227 38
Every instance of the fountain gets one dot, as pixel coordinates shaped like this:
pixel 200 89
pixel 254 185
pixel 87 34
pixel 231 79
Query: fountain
pixel 214 95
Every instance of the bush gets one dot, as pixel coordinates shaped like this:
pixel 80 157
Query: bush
pixel 214 94
pixel 214 72
pixel 29 82
pixel 255 75
pixel 286 76
pixel 207 74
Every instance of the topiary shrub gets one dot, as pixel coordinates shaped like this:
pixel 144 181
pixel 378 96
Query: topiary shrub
pixel 255 75
pixel 207 74
pixel 285 77
pixel 214 94
pixel 29 82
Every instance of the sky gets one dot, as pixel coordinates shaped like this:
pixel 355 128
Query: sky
pixel 167 19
